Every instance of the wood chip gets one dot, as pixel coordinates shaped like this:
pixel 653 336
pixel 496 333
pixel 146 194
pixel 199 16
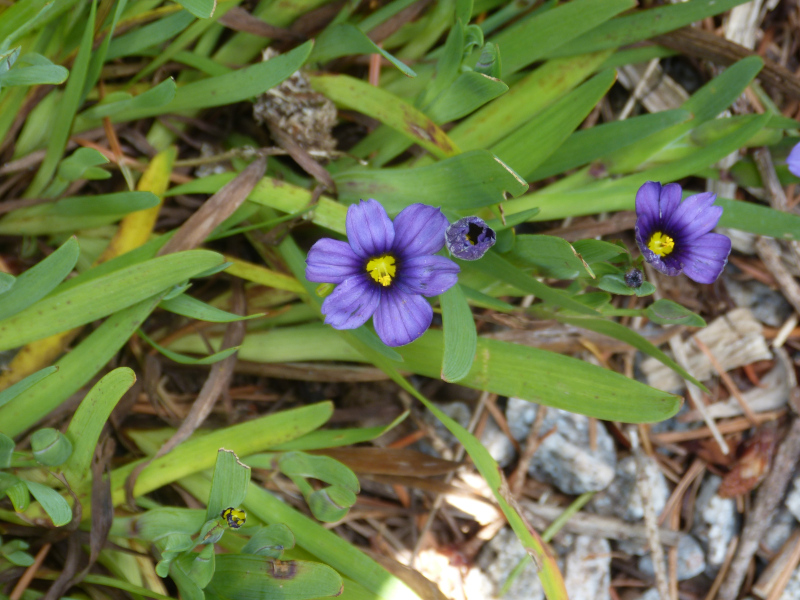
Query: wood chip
pixel 736 339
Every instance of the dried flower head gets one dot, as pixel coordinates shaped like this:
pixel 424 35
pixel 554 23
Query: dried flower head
pixel 384 270
pixel 469 238
pixel 675 237
pixel 634 278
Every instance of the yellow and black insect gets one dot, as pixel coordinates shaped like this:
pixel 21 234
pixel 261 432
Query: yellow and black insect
pixel 235 517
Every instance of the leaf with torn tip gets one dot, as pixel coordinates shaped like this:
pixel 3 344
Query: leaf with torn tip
pixel 228 485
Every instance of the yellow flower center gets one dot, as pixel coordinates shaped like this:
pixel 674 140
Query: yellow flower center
pixel 661 244
pixel 382 269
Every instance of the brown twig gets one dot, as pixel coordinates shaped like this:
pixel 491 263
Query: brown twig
pixel 707 45
pixel 29 573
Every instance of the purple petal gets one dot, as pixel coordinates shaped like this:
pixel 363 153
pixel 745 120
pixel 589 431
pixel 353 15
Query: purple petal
pixel 401 318
pixel 332 261
pixel 369 229
pixel 704 258
pixel 694 208
pixel 647 202
pixel 702 223
pixel 419 230
pixel 669 200
pixel 352 303
pixel 793 161
pixel 428 275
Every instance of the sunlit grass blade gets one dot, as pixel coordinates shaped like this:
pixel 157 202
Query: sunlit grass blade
pixel 90 418
pixel 102 296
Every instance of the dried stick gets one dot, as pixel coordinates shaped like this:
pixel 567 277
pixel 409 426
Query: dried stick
pixel 769 495
pixel 644 484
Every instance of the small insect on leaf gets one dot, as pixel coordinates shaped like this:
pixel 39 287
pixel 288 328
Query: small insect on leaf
pixel 235 517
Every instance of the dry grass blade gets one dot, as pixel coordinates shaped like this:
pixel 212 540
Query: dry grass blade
pixel 102 506
pixel 239 19
pixel 218 380
pixel 302 157
pixel 216 209
pixel 391 461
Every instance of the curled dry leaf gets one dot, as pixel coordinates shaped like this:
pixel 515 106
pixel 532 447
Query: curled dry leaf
pixel 753 463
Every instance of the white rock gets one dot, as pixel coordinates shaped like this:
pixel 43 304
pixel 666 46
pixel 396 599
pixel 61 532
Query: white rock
pixel 565 458
pixel 499 557
pixel 715 521
pixel 622 498
pixel 691 561
pixel 781 528
pixel 588 569
pixel 497 443
pixel 793 499
pixel 792 589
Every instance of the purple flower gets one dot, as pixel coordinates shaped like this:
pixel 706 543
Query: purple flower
pixel 469 238
pixel 793 161
pixel 384 270
pixel 676 236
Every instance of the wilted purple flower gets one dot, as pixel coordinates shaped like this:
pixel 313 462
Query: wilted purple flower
pixel 793 161
pixel 676 236
pixel 384 270
pixel 469 238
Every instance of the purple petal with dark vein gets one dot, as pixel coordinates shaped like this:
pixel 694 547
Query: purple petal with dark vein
pixel 428 275
pixel 332 261
pixel 352 303
pixel 419 230
pixel 690 210
pixel 669 200
pixel 702 224
pixel 793 161
pixel 704 258
pixel 401 318
pixel 647 201
pixel 369 229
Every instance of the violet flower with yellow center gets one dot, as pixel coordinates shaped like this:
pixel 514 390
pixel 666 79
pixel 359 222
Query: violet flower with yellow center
pixel 384 270
pixel 675 237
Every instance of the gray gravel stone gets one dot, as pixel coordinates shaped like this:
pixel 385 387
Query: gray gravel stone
pixel 622 499
pixel 792 501
pixel 716 521
pixel 497 559
pixel 792 589
pixel 564 458
pixel 588 569
pixel 691 560
pixel 497 443
pixel 767 305
pixel 782 527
